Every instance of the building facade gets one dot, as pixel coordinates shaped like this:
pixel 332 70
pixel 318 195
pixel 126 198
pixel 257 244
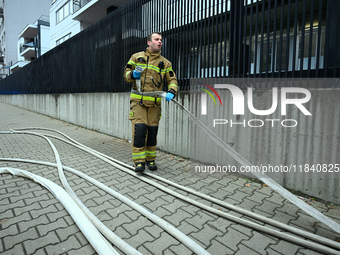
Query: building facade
pixel 33 42
pixel 69 17
pixel 14 16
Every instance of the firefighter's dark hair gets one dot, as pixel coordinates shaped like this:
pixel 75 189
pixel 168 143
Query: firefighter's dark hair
pixel 150 35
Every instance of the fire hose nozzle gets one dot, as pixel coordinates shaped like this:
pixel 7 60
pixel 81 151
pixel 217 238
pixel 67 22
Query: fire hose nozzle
pixel 139 69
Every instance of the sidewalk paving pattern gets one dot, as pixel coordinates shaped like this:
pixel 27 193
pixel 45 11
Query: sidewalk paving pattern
pixel 32 221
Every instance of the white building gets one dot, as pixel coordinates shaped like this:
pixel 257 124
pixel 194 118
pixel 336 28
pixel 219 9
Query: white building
pixel 14 16
pixel 69 17
pixel 33 42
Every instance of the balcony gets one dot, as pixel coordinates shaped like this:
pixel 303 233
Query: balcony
pixel 91 11
pixel 28 52
pixel 18 65
pixel 1 12
pixel 28 49
pixel 30 31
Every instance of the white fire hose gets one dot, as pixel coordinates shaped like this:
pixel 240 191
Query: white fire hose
pixel 98 242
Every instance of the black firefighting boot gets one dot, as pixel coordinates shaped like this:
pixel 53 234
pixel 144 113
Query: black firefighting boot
pixel 152 165
pixel 140 167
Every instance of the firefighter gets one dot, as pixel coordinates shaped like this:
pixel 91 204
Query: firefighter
pixel 145 109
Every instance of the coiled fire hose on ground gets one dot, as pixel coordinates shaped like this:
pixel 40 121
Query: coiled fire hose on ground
pixel 105 231
pixel 91 233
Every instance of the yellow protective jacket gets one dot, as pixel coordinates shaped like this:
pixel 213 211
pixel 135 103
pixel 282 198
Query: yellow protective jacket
pixel 151 77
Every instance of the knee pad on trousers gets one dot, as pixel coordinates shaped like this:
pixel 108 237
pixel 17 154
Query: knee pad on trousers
pixel 152 136
pixel 140 135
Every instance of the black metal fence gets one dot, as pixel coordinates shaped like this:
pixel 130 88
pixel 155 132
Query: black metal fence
pixel 202 39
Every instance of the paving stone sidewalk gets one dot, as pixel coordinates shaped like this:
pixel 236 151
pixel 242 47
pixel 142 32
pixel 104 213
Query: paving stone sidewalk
pixel 32 221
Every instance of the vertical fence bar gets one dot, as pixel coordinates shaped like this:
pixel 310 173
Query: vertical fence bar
pixel 186 42
pixel 225 32
pixel 186 53
pixel 203 39
pixel 274 50
pixel 332 38
pixel 231 39
pixel 262 39
pixel 256 36
pixel 302 48
pixel 211 45
pixel 200 39
pixel 310 38
pixel 147 19
pixel 281 39
pixel 134 10
pixel 178 38
pixel 152 16
pixel 318 44
pixel 238 38
pixel 269 56
pixel 296 17
pixel 214 40
pixel 223 42
pixel 171 40
pixel 165 16
pixel 326 63
pixel 161 16
pixel 240 6
pixel 208 47
pixel 156 11
pixel 204 45
pixel 218 41
pixel 173 35
pixel 191 48
pixel 182 41
pixel 250 36
pixel 245 51
pixel 288 40
pixel 196 41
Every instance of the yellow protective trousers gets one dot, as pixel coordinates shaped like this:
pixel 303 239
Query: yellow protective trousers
pixel 144 120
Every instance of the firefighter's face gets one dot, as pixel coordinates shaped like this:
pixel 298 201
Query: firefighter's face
pixel 156 42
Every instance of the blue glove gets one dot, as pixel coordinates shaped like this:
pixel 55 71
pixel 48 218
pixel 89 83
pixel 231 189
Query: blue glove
pixel 169 96
pixel 136 74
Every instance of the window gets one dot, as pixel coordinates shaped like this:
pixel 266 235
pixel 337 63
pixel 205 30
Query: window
pixel 63 12
pixel 316 50
pixel 63 39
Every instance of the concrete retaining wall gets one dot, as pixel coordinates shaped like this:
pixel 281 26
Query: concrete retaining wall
pixel 108 113
pixel 315 141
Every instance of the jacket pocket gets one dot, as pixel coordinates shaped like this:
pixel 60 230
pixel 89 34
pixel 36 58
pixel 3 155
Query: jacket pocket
pixel 132 112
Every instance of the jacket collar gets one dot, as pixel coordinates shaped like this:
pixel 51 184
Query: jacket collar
pixel 152 53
